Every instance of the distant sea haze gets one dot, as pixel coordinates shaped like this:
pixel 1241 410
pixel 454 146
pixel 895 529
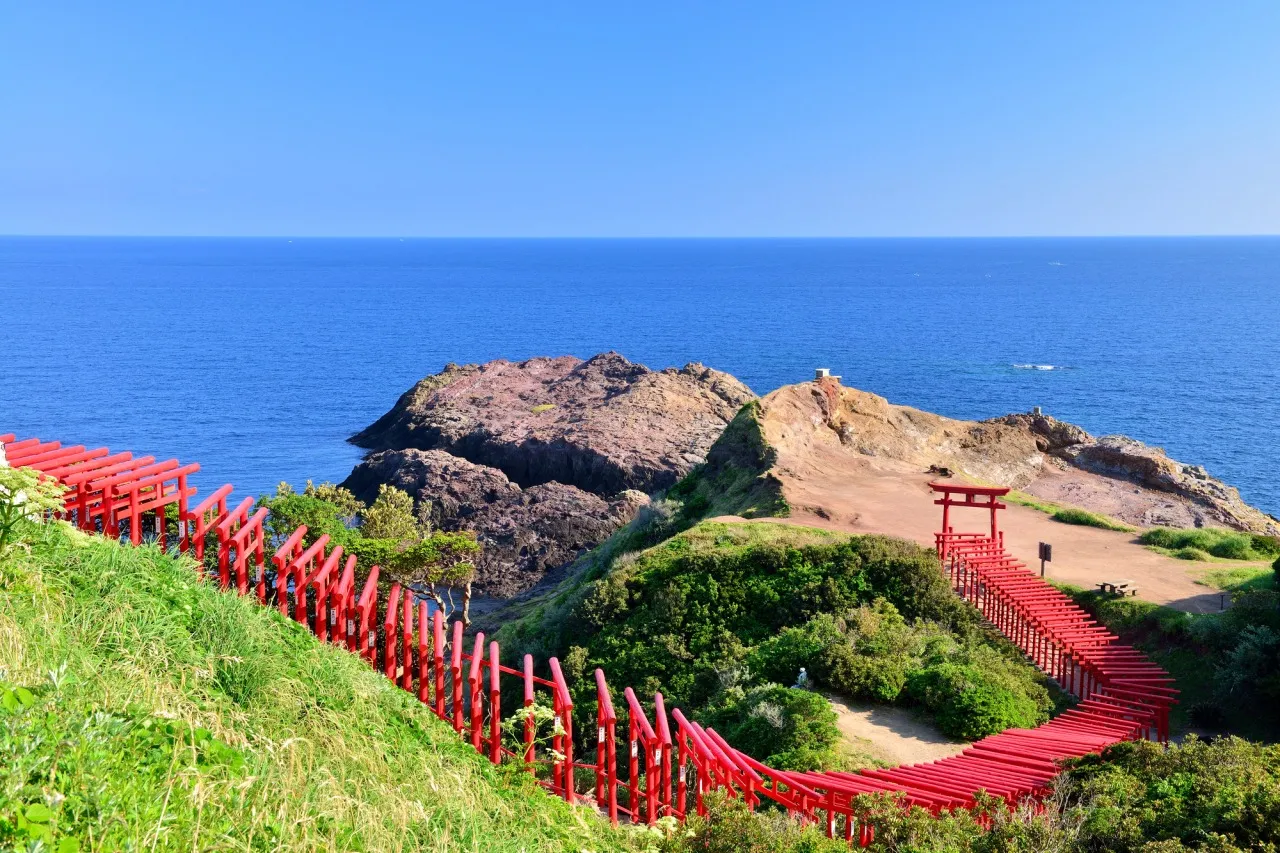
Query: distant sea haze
pixel 259 357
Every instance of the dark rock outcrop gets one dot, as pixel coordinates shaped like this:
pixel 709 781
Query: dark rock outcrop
pixel 602 425
pixel 526 533
pixel 543 458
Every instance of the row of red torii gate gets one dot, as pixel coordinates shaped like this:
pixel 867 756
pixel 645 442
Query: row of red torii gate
pixel 665 769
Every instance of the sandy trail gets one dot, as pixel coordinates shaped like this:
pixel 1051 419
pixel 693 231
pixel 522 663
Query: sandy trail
pixel 889 734
pixel 827 487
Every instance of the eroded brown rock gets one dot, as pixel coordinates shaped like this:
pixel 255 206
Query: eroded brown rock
pixel 821 427
pixel 544 458
pixel 526 532
pixel 1205 500
pixel 603 425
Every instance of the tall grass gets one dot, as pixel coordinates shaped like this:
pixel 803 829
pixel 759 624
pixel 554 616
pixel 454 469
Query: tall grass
pixel 1225 544
pixel 1070 515
pixel 160 713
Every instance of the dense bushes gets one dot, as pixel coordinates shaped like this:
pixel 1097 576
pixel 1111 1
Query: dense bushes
pixel 1223 795
pixel 872 653
pixel 744 607
pixel 784 727
pixel 970 701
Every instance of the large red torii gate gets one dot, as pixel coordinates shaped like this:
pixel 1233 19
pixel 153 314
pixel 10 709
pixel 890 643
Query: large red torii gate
pixel 971 498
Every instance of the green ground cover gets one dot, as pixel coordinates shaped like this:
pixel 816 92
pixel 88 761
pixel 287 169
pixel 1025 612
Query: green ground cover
pixel 142 709
pixel 1205 542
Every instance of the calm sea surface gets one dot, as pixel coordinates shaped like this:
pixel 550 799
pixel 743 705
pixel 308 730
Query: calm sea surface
pixel 258 358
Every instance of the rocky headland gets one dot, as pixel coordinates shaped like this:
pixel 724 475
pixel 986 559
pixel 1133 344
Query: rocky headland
pixel 824 426
pixel 544 458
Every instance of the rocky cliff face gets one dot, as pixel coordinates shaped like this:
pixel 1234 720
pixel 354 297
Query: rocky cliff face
pixel 825 435
pixel 547 457
pixel 602 425
pixel 527 532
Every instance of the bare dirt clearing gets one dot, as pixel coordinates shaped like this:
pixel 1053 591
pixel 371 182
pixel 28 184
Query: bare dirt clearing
pixel 875 496
pixel 891 735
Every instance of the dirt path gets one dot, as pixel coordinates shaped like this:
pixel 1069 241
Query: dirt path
pixel 829 487
pixel 889 734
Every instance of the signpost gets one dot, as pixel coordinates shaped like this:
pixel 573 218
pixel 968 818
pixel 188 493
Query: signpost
pixel 1046 556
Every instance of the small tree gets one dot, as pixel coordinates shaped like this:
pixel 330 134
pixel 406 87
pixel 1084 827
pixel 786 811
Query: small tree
pixel 25 495
pixel 349 506
pixel 388 535
pixel 390 517
pixel 439 564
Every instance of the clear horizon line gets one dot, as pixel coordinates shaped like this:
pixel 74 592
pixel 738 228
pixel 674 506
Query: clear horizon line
pixel 1133 236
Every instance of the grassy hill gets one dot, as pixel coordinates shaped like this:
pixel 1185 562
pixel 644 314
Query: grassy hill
pixel 142 709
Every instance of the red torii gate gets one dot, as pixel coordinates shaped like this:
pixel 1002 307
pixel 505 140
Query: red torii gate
pixel 971 498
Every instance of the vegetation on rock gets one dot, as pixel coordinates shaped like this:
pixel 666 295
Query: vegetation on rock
pixel 1068 514
pixel 1071 515
pixel 733 481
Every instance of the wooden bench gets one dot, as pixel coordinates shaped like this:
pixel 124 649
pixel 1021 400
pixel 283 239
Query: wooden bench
pixel 1120 587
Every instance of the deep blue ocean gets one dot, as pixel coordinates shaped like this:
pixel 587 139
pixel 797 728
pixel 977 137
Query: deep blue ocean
pixel 258 357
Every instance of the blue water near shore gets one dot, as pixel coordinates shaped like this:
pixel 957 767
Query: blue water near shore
pixel 258 357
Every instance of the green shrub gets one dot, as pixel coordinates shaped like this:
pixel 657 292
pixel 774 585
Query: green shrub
pixel 862 676
pixel 1236 546
pixel 780 658
pixel 969 702
pixel 789 729
pixel 1252 667
pixel 1191 553
pixel 1266 545
pixel 1219 795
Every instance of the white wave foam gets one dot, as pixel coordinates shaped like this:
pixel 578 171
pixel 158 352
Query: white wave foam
pixel 1037 367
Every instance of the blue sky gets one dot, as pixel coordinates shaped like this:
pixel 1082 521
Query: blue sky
pixel 640 119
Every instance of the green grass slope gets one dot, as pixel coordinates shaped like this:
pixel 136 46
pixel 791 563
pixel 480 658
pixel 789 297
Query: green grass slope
pixel 142 709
